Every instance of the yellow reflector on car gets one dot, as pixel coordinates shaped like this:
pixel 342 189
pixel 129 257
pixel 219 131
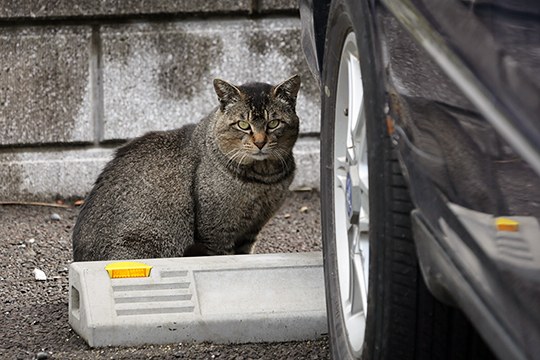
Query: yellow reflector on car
pixel 128 269
pixel 505 224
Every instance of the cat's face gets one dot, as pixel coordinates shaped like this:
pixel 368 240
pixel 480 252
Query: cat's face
pixel 257 121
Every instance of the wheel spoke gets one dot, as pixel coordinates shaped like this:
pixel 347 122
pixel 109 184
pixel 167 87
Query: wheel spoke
pixel 364 203
pixel 363 170
pixel 355 293
pixel 363 222
pixel 359 303
pixel 363 247
pixel 360 136
pixel 356 95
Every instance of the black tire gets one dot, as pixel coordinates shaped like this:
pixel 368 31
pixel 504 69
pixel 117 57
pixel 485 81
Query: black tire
pixel 404 320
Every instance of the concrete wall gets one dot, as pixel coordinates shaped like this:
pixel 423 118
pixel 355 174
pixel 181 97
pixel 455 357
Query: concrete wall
pixel 78 78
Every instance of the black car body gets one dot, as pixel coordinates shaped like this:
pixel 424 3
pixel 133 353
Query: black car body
pixel 461 97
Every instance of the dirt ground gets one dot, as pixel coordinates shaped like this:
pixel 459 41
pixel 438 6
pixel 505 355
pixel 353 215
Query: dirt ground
pixel 34 314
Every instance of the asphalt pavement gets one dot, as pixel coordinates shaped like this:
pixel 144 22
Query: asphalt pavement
pixel 35 241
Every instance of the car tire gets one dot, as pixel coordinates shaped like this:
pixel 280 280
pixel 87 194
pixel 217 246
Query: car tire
pixel 403 320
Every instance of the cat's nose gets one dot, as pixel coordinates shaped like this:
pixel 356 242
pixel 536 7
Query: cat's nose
pixel 259 140
pixel 260 144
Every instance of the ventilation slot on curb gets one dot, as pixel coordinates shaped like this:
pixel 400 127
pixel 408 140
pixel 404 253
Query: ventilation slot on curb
pixel 148 298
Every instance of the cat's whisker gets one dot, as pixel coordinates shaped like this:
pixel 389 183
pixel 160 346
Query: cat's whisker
pixel 230 152
pixel 229 156
pixel 240 163
pixel 285 165
pixel 234 152
pixel 233 157
pixel 280 154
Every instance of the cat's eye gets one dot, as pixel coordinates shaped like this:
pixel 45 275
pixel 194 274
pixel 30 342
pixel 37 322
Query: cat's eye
pixel 243 125
pixel 273 124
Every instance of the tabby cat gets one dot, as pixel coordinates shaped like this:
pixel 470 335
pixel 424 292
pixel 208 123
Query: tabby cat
pixel 204 189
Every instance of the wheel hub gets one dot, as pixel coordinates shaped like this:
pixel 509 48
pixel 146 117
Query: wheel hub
pixel 353 194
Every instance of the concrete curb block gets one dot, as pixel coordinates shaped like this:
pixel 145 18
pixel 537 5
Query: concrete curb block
pixel 223 299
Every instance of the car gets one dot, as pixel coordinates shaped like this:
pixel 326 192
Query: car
pixel 430 164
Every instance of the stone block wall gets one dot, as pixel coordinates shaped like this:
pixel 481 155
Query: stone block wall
pixel 79 78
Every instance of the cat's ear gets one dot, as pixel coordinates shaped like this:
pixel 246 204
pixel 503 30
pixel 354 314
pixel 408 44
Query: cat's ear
pixel 227 93
pixel 287 91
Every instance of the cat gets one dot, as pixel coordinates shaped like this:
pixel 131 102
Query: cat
pixel 204 189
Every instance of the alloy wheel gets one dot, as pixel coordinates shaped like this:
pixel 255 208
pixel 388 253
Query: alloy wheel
pixel 351 194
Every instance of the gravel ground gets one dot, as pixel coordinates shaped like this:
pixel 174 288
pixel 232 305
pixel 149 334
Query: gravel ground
pixel 34 313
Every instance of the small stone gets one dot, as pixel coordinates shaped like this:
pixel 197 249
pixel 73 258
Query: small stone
pixel 304 189
pixel 55 217
pixel 286 216
pixel 39 275
pixel 42 355
pixel 304 209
